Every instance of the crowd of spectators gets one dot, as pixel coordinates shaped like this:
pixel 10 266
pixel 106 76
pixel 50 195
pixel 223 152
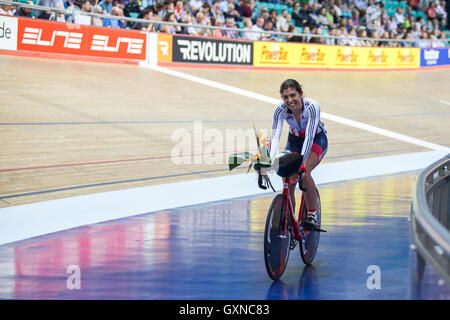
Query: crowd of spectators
pixel 349 22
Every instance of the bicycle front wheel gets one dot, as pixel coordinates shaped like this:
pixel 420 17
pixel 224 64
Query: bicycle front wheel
pixel 277 238
pixel 310 241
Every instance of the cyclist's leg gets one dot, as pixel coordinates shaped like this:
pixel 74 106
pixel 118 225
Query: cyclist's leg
pixel 318 151
pixel 308 182
pixel 292 191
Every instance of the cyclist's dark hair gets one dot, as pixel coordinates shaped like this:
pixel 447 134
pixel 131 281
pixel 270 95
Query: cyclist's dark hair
pixel 291 83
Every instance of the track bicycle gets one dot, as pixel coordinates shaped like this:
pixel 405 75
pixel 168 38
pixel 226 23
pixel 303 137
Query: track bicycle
pixel 283 231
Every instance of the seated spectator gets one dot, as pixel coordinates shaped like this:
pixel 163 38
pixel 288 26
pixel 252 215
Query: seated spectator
pixel 97 21
pixel 147 14
pixel 131 7
pixel 206 9
pixel 355 19
pixel 106 5
pixel 268 26
pixel 294 37
pixel 115 23
pixel 362 41
pixel 232 13
pixel 24 12
pixel 6 10
pixel 408 43
pixel 423 41
pixel 248 25
pixel 441 13
pixel 48 3
pixel 217 13
pixel 247 9
pixel 167 28
pixel 430 13
pixel 305 34
pixel 283 21
pixel 316 31
pixel 302 17
pixel 195 5
pixel 322 16
pixel 230 33
pixel 216 33
pixel 415 4
pixel 330 41
pixel 82 19
pixel 197 30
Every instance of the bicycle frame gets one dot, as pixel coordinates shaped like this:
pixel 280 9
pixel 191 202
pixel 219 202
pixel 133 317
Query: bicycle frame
pixel 298 233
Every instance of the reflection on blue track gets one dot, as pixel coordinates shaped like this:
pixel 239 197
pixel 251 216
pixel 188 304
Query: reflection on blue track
pixel 215 251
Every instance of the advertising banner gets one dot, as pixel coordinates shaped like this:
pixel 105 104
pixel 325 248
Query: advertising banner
pixel 278 54
pixel 164 47
pixel 298 55
pixel 375 58
pixel 434 57
pixel 52 37
pixel 211 51
pixel 8 33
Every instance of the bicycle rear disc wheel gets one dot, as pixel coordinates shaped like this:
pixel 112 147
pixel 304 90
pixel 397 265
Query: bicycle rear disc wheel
pixel 276 239
pixel 310 242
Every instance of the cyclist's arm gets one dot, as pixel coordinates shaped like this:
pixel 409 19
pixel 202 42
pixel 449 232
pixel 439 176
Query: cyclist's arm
pixel 277 127
pixel 311 128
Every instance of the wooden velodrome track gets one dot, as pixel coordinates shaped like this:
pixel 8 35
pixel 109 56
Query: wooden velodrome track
pixel 71 128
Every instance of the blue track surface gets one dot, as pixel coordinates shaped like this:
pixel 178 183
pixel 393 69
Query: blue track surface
pixel 215 251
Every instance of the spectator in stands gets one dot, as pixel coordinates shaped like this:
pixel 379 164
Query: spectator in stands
pixel 264 13
pixel 24 12
pixel 131 7
pixel 199 21
pixel 216 33
pixel 248 25
pixel 206 9
pixel 268 26
pixel 147 14
pixel 283 21
pixel 83 19
pixel 408 43
pixel 217 13
pixel 230 23
pixel 355 19
pixel 322 16
pixel 306 32
pixel 302 17
pixel 195 5
pixel 352 37
pixel 106 5
pixel 316 31
pixel 415 4
pixel 430 13
pixel 97 21
pixel 362 33
pixel 6 10
pixel 48 3
pixel 423 41
pixel 361 5
pixel 232 13
pixel 440 10
pixel 167 28
pixel 115 23
pixel 247 8
pixel 294 37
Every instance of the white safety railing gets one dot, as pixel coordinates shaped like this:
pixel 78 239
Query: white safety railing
pixel 282 35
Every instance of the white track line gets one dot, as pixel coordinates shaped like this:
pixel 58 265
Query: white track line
pixel 325 115
pixel 444 102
